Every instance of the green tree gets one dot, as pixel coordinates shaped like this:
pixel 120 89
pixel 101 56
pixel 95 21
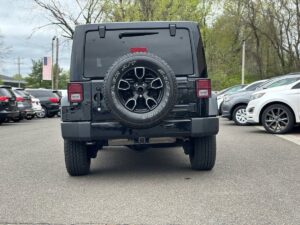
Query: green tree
pixel 1 81
pixel 64 79
pixel 34 79
pixel 18 77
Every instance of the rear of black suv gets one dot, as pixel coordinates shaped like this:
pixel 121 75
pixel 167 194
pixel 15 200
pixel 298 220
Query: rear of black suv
pixel 140 85
pixel 8 106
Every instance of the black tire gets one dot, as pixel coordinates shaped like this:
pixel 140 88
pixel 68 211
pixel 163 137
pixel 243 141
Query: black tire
pixel 50 115
pixel 16 119
pixel 285 125
pixel 239 115
pixel 76 158
pixel 140 95
pixel 203 153
pixel 45 112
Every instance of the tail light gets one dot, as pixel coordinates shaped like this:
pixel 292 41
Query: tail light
pixel 139 49
pixel 54 100
pixel 4 99
pixel 75 92
pixel 203 88
pixel 20 99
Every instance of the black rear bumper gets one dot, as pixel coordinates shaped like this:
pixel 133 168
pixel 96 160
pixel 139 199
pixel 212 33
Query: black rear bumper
pixel 88 131
pixel 9 114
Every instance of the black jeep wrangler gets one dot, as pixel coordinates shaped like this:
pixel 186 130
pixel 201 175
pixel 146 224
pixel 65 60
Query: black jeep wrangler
pixel 139 85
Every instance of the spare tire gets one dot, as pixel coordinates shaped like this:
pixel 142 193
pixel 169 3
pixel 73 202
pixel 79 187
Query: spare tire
pixel 140 90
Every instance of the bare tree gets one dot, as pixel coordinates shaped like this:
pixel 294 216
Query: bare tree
pixel 66 17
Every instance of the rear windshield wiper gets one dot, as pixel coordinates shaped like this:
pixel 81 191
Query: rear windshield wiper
pixel 134 34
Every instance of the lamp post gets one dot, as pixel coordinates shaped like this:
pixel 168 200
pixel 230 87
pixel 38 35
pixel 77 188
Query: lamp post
pixel 244 61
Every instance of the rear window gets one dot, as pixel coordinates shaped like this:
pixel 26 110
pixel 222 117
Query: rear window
pixel 101 53
pixel 41 93
pixel 5 92
pixel 20 93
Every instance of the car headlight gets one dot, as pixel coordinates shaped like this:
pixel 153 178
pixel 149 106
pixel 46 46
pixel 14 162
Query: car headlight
pixel 256 96
pixel 226 99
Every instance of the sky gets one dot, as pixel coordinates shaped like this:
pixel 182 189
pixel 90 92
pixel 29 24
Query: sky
pixel 18 20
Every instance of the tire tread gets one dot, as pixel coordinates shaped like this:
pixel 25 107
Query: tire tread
pixel 203 153
pixel 76 158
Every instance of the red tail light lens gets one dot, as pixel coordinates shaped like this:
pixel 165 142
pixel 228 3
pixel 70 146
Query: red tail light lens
pixel 3 99
pixel 54 100
pixel 140 49
pixel 20 99
pixel 75 92
pixel 203 88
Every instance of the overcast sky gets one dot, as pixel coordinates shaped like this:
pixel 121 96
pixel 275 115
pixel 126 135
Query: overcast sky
pixel 18 19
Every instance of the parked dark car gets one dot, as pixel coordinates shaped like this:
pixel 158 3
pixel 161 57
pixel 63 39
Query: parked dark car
pixel 48 100
pixel 140 85
pixel 24 104
pixel 231 90
pixel 234 106
pixel 8 105
pixel 60 93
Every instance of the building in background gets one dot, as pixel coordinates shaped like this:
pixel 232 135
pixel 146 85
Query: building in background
pixel 11 82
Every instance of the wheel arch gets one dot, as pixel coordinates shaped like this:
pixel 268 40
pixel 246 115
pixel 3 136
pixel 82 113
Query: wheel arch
pixel 274 103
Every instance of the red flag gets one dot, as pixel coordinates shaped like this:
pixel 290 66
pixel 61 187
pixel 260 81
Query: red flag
pixel 47 68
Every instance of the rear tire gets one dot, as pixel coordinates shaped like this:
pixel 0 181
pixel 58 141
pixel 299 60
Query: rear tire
pixel 203 153
pixel 278 119
pixel 44 113
pixel 16 120
pixel 50 115
pixel 76 158
pixel 239 115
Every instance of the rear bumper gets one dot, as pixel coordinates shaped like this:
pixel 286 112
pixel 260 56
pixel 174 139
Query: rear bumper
pixel 9 114
pixel 87 131
pixel 52 108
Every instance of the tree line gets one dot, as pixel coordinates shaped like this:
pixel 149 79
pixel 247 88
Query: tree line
pixel 270 29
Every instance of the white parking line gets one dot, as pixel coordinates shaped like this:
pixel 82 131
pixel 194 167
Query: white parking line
pixel 295 138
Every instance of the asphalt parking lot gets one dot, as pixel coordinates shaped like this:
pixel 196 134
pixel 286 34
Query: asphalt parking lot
pixel 255 181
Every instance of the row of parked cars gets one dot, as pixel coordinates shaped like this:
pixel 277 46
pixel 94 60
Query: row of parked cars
pixel 18 103
pixel 274 103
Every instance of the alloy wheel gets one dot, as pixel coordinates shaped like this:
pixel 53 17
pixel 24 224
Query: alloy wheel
pixel 277 119
pixel 240 116
pixel 140 89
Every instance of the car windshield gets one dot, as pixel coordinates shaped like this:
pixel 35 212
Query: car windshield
pixel 253 86
pixel 285 81
pixel 231 90
pixel 5 92
pixel 42 93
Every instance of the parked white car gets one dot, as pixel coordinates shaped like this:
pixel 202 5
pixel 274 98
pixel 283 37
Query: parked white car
pixel 277 109
pixel 36 106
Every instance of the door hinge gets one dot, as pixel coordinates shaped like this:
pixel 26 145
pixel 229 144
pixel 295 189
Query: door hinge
pixel 102 30
pixel 172 30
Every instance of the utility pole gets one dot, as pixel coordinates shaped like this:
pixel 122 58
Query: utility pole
pixel 52 60
pixel 56 63
pixel 243 62
pixel 19 71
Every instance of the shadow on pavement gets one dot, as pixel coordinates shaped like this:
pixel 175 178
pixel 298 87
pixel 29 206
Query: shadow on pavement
pixel 120 161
